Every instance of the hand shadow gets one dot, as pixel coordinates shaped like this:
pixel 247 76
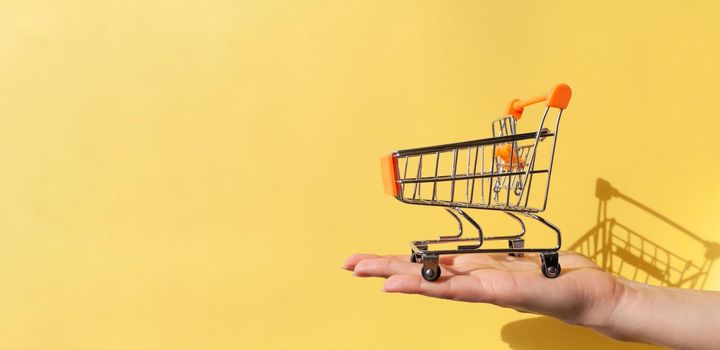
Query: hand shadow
pixel 549 333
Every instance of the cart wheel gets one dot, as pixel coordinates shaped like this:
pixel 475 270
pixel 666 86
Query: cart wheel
pixel 551 271
pixel 550 265
pixel 413 258
pixel 516 243
pixel 430 267
pixel 431 274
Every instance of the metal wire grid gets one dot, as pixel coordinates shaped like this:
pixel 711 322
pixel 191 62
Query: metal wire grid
pixel 472 176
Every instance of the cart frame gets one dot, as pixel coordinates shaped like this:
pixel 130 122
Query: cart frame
pixel 509 171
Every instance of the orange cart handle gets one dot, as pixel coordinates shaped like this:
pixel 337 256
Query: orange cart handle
pixel 558 97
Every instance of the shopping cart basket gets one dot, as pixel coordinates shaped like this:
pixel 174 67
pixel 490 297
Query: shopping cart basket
pixel 495 173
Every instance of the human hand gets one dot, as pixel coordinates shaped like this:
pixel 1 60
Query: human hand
pixel 582 294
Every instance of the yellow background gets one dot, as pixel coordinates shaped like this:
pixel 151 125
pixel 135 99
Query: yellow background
pixel 191 175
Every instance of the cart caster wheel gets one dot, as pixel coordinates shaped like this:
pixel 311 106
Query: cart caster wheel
pixel 430 268
pixel 516 244
pixel 551 271
pixel 550 265
pixel 431 274
pixel 413 257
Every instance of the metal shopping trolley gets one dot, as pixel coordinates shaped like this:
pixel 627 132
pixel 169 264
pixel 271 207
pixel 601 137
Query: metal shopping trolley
pixel 495 173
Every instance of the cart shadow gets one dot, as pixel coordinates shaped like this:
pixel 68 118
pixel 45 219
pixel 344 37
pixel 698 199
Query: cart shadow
pixel 622 251
pixel 539 332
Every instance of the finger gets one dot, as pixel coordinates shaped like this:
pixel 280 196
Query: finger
pixel 461 287
pixel 354 259
pixel 384 267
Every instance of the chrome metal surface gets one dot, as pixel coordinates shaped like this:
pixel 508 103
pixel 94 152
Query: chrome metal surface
pixel 494 173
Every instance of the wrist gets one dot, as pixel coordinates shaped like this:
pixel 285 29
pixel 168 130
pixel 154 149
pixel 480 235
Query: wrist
pixel 672 317
pixel 613 316
pixel 635 315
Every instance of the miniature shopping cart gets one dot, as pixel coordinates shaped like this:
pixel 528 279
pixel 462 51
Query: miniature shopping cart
pixel 494 174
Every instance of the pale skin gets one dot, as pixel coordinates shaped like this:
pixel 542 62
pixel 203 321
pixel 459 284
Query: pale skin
pixel 583 294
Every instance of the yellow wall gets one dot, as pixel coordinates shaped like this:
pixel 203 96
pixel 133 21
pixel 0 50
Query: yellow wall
pixel 191 175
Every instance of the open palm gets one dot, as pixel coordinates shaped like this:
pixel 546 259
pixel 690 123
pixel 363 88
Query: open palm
pixel 583 293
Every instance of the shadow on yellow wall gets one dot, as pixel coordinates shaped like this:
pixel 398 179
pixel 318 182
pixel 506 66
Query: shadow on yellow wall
pixel 623 251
